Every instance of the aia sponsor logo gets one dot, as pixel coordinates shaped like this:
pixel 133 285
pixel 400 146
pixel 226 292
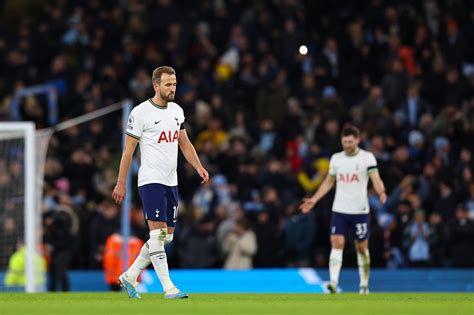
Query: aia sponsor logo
pixel 168 136
pixel 348 178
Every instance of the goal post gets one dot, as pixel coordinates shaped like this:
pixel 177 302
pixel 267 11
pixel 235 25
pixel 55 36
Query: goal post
pixel 28 212
pixel 26 131
pixel 126 107
pixel 127 202
pixel 48 89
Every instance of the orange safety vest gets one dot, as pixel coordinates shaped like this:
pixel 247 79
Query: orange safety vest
pixel 112 262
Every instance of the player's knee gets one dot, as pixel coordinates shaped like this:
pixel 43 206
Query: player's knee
pixel 158 234
pixel 168 238
pixel 361 247
pixel 337 242
pixel 338 246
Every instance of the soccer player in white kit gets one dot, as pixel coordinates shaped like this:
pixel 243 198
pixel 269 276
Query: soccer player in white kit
pixel 157 124
pixel 351 169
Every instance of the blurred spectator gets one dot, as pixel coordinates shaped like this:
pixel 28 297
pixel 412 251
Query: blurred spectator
pixel 61 227
pixel 260 113
pixel 214 134
pixel 311 180
pixel 373 104
pixel 15 275
pixel 445 204
pixel 268 137
pixel 393 254
pixel 269 254
pixel 417 234
pixel 436 240
pixel 395 83
pixel 271 99
pixel 104 223
pixel 461 239
pixel 298 234
pixel 240 246
pixel 8 235
pixel 113 264
pixel 205 198
pixel 470 202
pixel 414 106
pixel 272 203
pixel 196 241
pixel 140 85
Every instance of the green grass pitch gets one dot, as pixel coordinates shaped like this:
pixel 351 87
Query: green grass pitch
pixel 227 304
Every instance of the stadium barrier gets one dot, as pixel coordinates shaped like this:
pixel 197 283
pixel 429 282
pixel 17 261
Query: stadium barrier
pixel 290 281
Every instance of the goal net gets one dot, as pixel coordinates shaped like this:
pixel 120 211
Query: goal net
pixel 19 222
pixel 24 154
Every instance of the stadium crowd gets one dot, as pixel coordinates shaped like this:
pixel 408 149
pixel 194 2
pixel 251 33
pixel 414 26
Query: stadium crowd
pixel 264 120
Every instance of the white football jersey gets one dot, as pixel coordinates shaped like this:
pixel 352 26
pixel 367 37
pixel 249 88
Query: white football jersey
pixel 352 175
pixel 157 129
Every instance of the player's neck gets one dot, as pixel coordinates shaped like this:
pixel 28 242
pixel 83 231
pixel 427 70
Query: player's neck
pixel 159 102
pixel 353 153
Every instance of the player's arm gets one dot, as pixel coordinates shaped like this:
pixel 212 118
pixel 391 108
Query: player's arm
pixel 326 186
pixel 191 156
pixel 378 185
pixel 127 155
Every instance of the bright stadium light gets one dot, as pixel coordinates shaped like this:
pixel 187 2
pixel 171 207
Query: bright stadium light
pixel 303 50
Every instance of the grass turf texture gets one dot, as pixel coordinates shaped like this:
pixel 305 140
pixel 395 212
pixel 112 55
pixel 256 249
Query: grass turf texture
pixel 227 304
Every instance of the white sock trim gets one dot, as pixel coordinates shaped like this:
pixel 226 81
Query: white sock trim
pixel 336 254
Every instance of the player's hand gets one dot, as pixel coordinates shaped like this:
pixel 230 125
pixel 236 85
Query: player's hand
pixel 307 205
pixel 382 197
pixel 204 174
pixel 119 193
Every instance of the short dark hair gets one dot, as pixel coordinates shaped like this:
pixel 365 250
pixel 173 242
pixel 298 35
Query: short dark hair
pixel 350 130
pixel 156 77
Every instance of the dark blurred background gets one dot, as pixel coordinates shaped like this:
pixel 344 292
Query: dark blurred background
pixel 264 119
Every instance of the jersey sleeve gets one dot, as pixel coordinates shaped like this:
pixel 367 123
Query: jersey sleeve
pixel 371 164
pixel 135 125
pixel 182 116
pixel 332 167
pixel 182 119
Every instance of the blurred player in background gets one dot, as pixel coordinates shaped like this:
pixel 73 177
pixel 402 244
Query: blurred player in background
pixel 351 169
pixel 157 124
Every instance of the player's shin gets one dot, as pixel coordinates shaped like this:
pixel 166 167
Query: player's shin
pixel 363 260
pixel 140 263
pixel 158 257
pixel 335 263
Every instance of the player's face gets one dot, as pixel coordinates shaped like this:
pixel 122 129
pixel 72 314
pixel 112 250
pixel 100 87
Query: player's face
pixel 167 87
pixel 349 144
